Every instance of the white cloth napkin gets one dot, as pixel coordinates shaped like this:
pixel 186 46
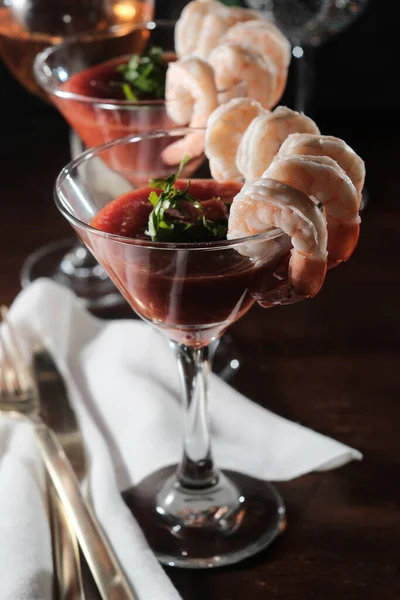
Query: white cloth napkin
pixel 123 386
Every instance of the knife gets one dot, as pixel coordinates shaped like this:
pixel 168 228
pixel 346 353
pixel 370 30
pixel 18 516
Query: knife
pixel 59 415
pixel 62 436
pixel 57 411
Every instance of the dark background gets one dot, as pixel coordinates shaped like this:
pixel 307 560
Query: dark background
pixel 357 73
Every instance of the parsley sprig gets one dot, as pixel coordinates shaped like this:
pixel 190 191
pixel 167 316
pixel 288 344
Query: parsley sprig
pixel 168 221
pixel 144 75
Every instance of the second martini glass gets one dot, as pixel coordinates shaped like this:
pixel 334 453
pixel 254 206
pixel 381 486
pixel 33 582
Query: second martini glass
pixel 94 120
pixel 74 76
pixel 199 517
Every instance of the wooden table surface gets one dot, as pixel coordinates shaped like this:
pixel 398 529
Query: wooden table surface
pixel 332 364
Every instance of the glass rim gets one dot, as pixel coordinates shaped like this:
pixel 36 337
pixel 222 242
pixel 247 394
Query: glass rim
pixel 41 58
pixel 135 138
pixel 42 80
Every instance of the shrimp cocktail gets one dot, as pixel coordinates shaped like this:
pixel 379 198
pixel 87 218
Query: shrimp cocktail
pixel 192 256
pixel 176 75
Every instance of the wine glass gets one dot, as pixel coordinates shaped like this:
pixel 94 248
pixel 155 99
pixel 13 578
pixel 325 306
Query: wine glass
pixel 199 517
pixel 29 26
pixel 308 24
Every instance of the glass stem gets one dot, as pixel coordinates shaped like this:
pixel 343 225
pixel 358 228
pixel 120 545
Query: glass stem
pixel 305 75
pixel 197 469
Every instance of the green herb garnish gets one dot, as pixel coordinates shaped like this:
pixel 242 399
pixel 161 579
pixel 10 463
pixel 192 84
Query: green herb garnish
pixel 144 75
pixel 217 230
pixel 129 94
pixel 168 221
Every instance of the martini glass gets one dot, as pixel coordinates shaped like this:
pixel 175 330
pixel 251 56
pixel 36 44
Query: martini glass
pixel 94 120
pixel 200 516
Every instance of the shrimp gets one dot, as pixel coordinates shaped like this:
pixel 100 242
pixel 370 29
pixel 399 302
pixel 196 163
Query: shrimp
pixel 191 96
pixel 266 203
pixel 190 91
pixel 269 41
pixel 203 23
pixel 239 14
pixel 328 145
pixel 321 179
pixel 233 64
pixel 225 127
pixel 264 136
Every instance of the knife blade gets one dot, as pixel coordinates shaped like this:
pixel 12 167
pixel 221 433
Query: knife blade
pixel 61 433
pixel 58 413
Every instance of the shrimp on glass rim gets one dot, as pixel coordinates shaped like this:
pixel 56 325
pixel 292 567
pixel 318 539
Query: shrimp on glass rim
pixel 328 145
pixel 266 203
pixel 233 64
pixel 225 127
pixel 325 182
pixel 190 96
pixel 268 40
pixel 264 136
pixel 203 23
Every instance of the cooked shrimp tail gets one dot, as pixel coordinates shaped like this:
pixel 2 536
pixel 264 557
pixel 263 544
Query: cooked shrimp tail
pixel 191 96
pixel 328 145
pixel 264 136
pixel 268 40
pixel 234 64
pixel 267 203
pixel 325 182
pixel 203 23
pixel 225 128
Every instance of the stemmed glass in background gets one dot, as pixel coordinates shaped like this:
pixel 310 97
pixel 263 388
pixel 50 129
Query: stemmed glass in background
pixel 29 26
pixel 94 121
pixel 26 28
pixel 308 24
pixel 199 517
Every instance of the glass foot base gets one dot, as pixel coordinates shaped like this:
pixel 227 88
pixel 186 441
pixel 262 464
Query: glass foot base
pixel 96 290
pixel 217 539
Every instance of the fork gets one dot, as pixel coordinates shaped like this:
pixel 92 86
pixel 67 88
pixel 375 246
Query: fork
pixel 20 399
pixel 66 557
